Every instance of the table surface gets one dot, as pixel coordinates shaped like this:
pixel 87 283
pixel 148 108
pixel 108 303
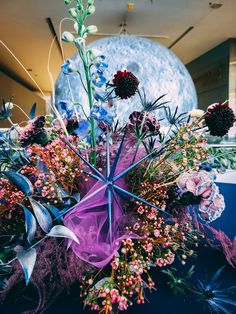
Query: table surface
pixel 228 177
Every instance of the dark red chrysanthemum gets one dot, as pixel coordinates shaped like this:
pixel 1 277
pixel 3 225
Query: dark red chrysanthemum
pixel 219 118
pixel 148 122
pixel 126 84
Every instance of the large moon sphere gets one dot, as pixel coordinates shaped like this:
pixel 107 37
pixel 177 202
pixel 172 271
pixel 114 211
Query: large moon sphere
pixel 157 68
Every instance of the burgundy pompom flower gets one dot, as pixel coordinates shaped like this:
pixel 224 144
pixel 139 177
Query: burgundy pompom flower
pixel 126 84
pixel 147 121
pixel 219 118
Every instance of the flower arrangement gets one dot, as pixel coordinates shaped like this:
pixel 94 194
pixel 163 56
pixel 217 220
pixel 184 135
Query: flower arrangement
pixel 126 199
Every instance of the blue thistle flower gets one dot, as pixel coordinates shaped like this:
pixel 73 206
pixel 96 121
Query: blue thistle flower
pixel 215 299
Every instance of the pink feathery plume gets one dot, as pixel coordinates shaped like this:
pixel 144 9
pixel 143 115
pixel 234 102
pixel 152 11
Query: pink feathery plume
pixel 228 245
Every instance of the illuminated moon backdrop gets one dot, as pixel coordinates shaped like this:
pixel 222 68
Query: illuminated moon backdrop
pixel 157 68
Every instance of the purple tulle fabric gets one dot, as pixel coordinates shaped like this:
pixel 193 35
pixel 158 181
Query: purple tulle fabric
pixel 89 219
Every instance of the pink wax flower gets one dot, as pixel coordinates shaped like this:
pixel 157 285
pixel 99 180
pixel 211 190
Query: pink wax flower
pixel 152 214
pixel 156 233
pixel 115 296
pixel 115 263
pixel 160 262
pixel 2 192
pixel 185 136
pixel 123 304
pixel 44 193
pixel 136 226
pixel 141 210
pixel 170 258
pixel 148 247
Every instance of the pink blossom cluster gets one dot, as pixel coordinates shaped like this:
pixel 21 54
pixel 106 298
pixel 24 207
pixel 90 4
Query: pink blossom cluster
pixel 63 165
pixel 121 300
pixel 9 195
pixel 110 297
pixel 167 259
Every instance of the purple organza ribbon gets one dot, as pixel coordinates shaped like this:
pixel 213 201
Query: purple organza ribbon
pixel 89 220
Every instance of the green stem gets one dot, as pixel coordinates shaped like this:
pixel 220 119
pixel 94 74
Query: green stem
pixel 168 132
pixel 82 82
pixel 90 101
pixel 136 150
pixel 82 108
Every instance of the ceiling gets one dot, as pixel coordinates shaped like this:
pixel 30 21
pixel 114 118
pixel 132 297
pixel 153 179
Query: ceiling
pixel 23 28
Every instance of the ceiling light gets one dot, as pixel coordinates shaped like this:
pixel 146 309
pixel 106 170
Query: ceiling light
pixel 130 6
pixel 215 5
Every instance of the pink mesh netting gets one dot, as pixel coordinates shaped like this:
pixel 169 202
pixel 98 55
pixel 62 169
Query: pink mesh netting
pixel 89 219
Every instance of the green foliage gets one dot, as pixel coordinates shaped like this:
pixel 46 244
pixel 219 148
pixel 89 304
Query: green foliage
pixel 178 281
pixel 223 158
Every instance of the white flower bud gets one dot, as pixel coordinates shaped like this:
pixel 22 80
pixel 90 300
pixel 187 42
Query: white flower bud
pixel 83 29
pixel 68 37
pixel 9 105
pixel 79 42
pixel 76 27
pixel 73 12
pixel 91 10
pixel 80 6
pixel 91 29
pixel 196 113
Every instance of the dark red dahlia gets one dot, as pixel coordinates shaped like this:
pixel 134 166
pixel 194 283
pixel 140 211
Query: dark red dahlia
pixel 126 84
pixel 39 122
pixel 147 120
pixel 219 119
pixel 34 132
